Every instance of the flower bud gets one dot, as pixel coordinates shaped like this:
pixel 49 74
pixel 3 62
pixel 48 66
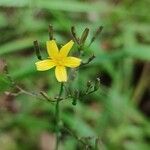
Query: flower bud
pixel 84 36
pixel 37 50
pixel 97 84
pixel 89 84
pixel 75 98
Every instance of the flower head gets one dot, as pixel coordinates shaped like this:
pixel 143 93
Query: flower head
pixel 59 59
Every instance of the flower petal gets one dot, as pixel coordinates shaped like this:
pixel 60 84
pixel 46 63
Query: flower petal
pixel 52 48
pixel 61 73
pixel 66 48
pixel 44 65
pixel 72 62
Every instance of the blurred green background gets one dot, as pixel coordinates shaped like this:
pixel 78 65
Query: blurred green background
pixel 118 114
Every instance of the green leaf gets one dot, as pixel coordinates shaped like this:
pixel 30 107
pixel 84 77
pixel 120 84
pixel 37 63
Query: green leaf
pixel 139 52
pixel 16 45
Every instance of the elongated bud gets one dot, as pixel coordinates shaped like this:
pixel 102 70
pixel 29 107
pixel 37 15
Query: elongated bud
pixel 84 36
pixel 37 50
pixel 8 75
pixel 97 144
pixel 89 84
pixel 73 32
pixel 50 31
pixel 97 84
pixel 98 31
pixel 75 98
pixel 6 69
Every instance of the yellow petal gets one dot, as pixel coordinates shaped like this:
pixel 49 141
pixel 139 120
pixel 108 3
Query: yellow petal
pixel 61 73
pixel 52 48
pixel 66 48
pixel 44 65
pixel 72 62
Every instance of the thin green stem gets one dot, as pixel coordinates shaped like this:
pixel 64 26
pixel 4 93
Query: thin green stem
pixel 77 138
pixel 57 109
pixel 143 84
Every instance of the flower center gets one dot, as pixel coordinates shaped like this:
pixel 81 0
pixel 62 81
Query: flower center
pixel 59 61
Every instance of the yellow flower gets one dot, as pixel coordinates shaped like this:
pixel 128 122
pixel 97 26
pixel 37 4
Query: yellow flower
pixel 59 59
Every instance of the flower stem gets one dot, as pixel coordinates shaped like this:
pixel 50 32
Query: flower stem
pixel 57 116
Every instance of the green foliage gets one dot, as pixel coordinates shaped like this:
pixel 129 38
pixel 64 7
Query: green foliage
pixel 110 113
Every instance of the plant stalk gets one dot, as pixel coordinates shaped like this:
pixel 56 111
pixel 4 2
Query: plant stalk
pixel 57 109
